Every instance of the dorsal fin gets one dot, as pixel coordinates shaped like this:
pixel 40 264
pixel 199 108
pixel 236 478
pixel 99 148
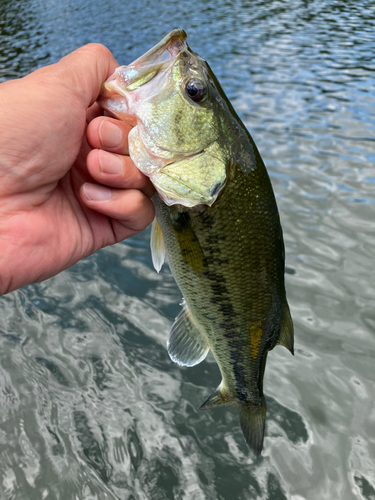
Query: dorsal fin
pixel 157 245
pixel 186 346
pixel 286 331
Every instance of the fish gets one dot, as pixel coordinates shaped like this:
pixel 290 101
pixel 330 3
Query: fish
pixel 216 223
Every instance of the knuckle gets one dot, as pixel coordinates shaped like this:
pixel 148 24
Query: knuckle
pixel 137 205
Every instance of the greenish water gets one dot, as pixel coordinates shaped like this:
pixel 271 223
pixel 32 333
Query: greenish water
pixel 91 407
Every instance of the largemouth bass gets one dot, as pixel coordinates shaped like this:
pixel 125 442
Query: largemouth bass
pixel 216 221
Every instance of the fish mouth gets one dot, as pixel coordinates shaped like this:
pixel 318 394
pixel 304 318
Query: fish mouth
pixel 168 48
pixel 128 78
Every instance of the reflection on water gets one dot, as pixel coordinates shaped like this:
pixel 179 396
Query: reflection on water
pixel 91 407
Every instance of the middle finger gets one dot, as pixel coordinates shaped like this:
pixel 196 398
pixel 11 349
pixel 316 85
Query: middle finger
pixel 117 171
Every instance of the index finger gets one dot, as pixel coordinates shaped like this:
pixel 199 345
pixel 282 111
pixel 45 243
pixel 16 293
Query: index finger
pixel 110 134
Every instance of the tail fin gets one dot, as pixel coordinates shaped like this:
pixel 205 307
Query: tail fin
pixel 252 419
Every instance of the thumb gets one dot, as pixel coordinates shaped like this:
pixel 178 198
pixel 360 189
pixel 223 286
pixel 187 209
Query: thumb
pixel 84 71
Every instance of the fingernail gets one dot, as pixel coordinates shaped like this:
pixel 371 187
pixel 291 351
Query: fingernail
pixel 109 163
pixel 94 192
pixel 110 134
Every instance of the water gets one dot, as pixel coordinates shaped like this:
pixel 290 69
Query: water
pixel 91 407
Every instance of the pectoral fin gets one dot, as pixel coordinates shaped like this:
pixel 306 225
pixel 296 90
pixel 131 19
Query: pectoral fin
pixel 157 245
pixel 186 346
pixel 286 331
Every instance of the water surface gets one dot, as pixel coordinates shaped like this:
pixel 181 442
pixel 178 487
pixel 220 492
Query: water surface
pixel 91 407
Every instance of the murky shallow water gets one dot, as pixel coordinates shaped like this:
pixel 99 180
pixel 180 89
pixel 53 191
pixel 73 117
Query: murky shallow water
pixel 91 407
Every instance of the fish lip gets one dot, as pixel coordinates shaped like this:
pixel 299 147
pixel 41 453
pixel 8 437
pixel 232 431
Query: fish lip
pixel 176 40
pixel 162 55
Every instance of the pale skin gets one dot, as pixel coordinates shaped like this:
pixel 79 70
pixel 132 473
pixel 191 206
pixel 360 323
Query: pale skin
pixel 67 184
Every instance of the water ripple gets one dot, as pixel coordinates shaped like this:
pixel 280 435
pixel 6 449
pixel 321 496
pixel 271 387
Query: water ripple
pixel 91 405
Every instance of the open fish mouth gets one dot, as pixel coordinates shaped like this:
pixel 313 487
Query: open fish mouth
pixel 174 140
pixel 142 70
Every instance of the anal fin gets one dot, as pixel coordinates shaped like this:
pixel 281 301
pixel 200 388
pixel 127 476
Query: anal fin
pixel 216 399
pixel 186 346
pixel 157 245
pixel 252 417
pixel 286 338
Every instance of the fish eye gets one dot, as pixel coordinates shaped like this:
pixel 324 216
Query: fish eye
pixel 196 90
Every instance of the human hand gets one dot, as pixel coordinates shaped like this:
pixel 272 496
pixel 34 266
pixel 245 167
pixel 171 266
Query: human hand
pixel 55 207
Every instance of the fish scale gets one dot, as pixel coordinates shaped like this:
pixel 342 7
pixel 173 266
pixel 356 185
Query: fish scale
pixel 229 278
pixel 216 221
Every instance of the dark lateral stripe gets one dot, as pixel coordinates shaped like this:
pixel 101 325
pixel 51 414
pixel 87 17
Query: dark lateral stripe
pixel 220 297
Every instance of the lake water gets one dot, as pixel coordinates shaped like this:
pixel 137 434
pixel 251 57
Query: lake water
pixel 91 407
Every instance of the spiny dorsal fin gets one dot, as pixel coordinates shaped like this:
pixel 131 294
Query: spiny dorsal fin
pixel 286 331
pixel 157 245
pixel 186 346
pixel 252 419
